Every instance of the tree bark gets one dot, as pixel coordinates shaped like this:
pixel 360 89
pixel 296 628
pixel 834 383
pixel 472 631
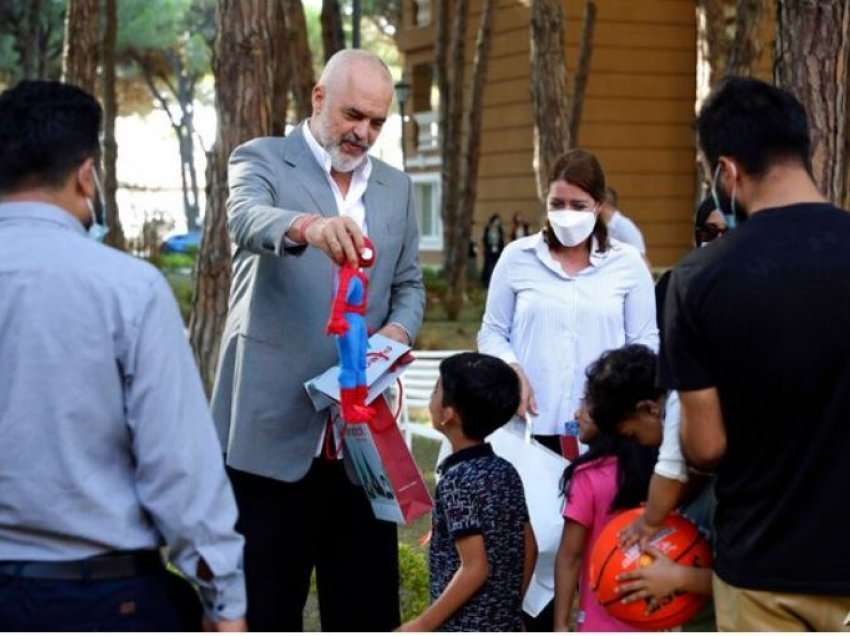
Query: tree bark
pixel 441 76
pixel 582 71
pixel 812 55
pixel 244 104
pixel 746 45
pixel 80 51
pixel 29 59
pixel 115 238
pixel 452 169
pixel 548 87
pixel 463 224
pixel 712 46
pixel 303 78
pixel 282 72
pixel 333 37
pixel 356 17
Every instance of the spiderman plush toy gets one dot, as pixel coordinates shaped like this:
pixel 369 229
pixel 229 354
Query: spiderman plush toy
pixel 348 323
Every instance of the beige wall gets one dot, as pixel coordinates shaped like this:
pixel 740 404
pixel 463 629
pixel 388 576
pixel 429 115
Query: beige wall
pixel 638 112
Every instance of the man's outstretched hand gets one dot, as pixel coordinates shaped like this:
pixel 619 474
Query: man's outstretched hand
pixel 339 237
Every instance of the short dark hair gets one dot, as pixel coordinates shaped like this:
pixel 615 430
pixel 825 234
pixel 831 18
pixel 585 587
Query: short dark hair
pixel 483 390
pixel 617 382
pixel 47 129
pixel 755 123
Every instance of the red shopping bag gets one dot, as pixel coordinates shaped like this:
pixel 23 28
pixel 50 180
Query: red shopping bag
pixel 385 467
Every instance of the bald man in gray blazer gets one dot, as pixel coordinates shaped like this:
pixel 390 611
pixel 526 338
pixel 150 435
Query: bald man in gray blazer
pixel 298 207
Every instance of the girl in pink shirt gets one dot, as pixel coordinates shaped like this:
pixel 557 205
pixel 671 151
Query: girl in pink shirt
pixel 611 476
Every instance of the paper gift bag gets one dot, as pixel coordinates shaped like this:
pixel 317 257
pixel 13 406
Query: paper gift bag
pixel 386 468
pixel 386 360
pixel 540 470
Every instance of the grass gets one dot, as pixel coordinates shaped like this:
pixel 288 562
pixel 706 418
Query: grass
pixel 425 453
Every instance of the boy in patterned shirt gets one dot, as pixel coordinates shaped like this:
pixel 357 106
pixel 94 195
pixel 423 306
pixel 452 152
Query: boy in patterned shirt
pixel 482 548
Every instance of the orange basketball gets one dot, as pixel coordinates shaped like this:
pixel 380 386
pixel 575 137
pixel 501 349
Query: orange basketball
pixel 678 539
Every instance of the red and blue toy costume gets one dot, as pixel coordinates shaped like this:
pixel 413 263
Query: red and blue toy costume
pixel 348 323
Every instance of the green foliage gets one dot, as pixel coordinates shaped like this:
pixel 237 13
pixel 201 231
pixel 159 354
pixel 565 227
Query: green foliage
pixel 183 288
pixel 435 281
pixel 178 270
pixel 414 589
pixel 143 24
pixel 15 38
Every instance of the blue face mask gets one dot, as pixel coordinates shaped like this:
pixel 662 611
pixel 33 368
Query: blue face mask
pixel 725 204
pixel 97 231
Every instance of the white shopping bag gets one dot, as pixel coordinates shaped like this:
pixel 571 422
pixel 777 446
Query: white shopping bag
pixel 385 362
pixel 540 470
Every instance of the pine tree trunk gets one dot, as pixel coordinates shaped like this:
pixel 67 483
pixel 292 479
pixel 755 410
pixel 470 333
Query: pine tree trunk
pixel 585 52
pixel 80 52
pixel 745 47
pixel 548 87
pixel 303 78
pixel 244 104
pixel 283 71
pixel 452 168
pixel 188 174
pixel 333 37
pixel 441 77
pixel 812 54
pixel 463 225
pixel 712 44
pixel 115 238
pixel 29 61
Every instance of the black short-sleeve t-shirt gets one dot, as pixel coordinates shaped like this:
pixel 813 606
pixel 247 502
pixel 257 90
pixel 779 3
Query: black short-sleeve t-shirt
pixel 763 315
pixel 480 493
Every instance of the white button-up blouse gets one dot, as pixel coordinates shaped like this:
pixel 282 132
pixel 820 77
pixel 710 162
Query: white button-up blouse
pixel 555 324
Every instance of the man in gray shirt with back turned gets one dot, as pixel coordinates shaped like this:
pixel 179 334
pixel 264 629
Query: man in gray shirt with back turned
pixel 107 448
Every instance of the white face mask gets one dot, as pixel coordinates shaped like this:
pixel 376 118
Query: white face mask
pixel 572 227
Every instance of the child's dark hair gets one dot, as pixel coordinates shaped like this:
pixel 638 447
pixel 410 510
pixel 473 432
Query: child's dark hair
pixel 483 390
pixel 616 383
pixel 635 464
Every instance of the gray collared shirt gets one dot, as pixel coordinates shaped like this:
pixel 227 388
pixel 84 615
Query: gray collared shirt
pixel 106 441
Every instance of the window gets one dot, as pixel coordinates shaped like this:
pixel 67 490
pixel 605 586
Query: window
pixel 421 13
pixel 426 189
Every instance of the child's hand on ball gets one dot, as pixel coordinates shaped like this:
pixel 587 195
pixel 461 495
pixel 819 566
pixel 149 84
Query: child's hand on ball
pixel 659 579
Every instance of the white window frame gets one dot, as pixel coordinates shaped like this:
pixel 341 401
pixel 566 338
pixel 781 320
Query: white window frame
pixel 431 243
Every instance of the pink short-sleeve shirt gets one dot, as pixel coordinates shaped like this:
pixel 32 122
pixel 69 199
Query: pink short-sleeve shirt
pixel 592 490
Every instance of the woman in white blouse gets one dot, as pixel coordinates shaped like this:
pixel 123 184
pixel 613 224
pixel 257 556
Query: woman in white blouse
pixel 561 297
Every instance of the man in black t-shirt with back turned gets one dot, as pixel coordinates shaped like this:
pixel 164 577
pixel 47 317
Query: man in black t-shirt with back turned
pixel 757 342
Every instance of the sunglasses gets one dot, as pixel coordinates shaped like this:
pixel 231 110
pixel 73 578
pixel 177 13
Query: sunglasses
pixel 708 233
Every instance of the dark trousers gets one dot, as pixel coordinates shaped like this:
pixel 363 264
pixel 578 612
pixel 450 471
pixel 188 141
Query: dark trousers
pixel 151 603
pixel 543 622
pixel 323 521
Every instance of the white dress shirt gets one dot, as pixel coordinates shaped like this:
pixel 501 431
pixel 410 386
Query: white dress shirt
pixel 351 204
pixel 555 324
pixel 623 229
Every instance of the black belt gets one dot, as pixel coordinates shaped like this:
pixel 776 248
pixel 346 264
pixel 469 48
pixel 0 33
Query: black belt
pixel 115 565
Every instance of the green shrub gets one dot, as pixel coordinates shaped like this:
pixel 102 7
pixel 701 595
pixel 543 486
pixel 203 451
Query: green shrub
pixel 175 260
pixel 414 589
pixel 183 287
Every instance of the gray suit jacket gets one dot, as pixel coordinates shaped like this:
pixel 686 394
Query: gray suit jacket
pixel 274 339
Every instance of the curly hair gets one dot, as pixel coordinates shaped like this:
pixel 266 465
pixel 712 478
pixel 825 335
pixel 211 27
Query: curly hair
pixel 617 382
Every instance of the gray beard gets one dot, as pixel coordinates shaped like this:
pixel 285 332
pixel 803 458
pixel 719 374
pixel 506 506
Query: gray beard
pixel 340 161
